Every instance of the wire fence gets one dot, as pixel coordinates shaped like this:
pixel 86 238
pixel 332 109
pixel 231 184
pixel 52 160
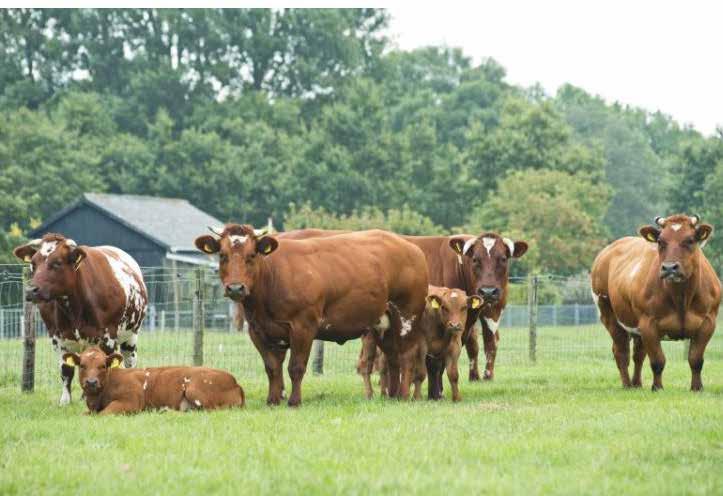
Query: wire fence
pixel 189 322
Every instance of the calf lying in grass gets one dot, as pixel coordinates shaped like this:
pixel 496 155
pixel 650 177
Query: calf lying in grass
pixel 110 389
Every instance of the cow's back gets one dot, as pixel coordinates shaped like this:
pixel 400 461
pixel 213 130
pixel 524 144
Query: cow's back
pixel 620 270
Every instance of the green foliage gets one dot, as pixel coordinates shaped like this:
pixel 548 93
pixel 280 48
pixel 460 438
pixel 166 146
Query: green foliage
pixel 402 221
pixel 558 214
pixel 712 212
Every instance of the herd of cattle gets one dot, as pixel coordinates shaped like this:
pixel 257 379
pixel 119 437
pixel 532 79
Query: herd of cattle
pixel 413 300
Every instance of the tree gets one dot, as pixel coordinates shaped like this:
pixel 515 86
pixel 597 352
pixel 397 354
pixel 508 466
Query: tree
pixel 557 213
pixel 712 212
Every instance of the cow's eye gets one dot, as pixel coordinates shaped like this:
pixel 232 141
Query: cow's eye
pixel 503 259
pixel 55 265
pixel 661 243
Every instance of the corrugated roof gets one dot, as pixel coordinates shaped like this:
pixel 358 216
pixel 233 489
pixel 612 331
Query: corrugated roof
pixel 173 222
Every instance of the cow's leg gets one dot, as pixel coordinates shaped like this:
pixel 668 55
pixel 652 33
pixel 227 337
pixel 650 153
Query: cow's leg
pixel 301 338
pixel 128 350
pixel 620 337
pixel 66 372
pixel 383 373
pixel 452 358
pixel 420 370
pixel 434 369
pixel 472 347
pixel 638 359
pixel 651 342
pixel 696 351
pixel 367 355
pixel 273 365
pixel 489 338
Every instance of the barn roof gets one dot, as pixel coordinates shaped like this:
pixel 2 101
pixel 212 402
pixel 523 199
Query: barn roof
pixel 170 222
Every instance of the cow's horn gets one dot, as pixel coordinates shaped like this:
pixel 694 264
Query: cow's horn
pixel 694 219
pixel 660 221
pixel 219 234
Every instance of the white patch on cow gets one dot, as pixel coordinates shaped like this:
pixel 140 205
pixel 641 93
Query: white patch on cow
pixel 237 240
pixel 453 295
pixel 596 299
pixel 489 243
pixel 383 325
pixel 510 244
pixel 186 380
pixel 675 227
pixel 65 397
pixel 467 245
pixel 492 325
pixel 130 279
pixel 406 325
pixel 109 342
pixel 71 244
pixel 145 384
pixel 631 330
pixel 197 402
pixel 48 247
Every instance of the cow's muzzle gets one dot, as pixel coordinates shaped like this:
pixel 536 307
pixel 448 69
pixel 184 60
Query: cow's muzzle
pixel 489 294
pixel 670 271
pixel 34 294
pixel 237 291
pixel 454 327
pixel 91 384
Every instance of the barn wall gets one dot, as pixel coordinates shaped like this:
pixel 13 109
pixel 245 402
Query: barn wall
pixel 89 226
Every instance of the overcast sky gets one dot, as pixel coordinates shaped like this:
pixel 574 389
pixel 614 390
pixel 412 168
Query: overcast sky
pixel 664 56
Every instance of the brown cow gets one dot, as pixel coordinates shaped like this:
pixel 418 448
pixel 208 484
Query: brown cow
pixel 110 389
pixel 443 322
pixel 86 295
pixel 333 288
pixel 479 266
pixel 658 286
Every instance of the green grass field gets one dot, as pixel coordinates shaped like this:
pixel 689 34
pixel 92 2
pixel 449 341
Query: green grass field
pixel 558 427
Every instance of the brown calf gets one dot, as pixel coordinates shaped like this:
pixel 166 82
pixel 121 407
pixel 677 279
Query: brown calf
pixel 86 296
pixel 658 286
pixel 110 389
pixel 335 289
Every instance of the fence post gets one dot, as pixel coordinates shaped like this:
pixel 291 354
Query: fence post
pixel 198 318
pixel 532 311
pixel 3 334
pixel 28 381
pixel 163 320
pixel 318 363
pixel 152 321
pixel 176 296
pixel 577 314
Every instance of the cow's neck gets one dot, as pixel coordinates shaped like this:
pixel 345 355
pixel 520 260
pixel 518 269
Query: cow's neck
pixel 73 305
pixel 255 303
pixel 681 293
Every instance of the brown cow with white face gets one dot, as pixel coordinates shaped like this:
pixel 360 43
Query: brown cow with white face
pixel 334 288
pixel 479 266
pixel 86 295
pixel 654 287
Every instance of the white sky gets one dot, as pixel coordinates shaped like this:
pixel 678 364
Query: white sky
pixel 661 55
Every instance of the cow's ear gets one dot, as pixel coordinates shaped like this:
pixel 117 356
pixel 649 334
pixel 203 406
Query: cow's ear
pixel 703 232
pixel 25 252
pixel 71 359
pixel 207 244
pixel 520 249
pixel 650 233
pixel 76 257
pixel 266 245
pixel 460 245
pixel 114 361
pixel 435 302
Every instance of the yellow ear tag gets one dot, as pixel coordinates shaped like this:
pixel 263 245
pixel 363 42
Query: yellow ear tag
pixel 704 236
pixel 651 237
pixel 27 258
pixel 70 361
pixel 267 250
pixel 207 248
pixel 475 303
pixel 434 303
pixel 115 363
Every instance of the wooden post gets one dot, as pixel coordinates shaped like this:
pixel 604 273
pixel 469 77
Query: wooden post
pixel 163 320
pixel 176 295
pixel 318 362
pixel 532 311
pixel 198 318
pixel 28 381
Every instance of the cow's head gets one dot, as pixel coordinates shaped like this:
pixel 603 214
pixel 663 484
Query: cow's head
pixel 54 261
pixel 451 307
pixel 678 238
pixel 240 252
pixel 490 256
pixel 94 367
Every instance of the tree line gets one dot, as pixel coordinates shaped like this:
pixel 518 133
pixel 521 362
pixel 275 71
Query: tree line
pixel 313 118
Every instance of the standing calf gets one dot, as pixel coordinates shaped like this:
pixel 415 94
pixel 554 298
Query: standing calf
pixel 110 389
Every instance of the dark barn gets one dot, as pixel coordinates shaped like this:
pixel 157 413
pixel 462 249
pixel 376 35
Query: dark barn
pixel 157 232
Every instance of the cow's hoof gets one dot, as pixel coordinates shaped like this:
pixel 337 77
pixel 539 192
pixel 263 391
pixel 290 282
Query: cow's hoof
pixel 273 401
pixel 656 388
pixel 473 376
pixel 294 404
pixel 488 375
pixel 696 389
pixel 64 399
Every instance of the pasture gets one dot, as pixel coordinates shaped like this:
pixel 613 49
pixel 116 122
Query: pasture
pixel 563 425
